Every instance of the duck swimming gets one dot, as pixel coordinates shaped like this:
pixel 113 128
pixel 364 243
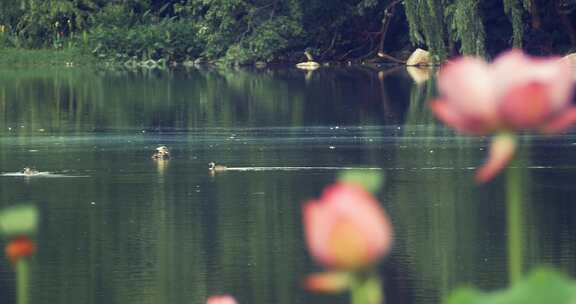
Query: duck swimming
pixel 162 152
pixel 29 171
pixel 213 167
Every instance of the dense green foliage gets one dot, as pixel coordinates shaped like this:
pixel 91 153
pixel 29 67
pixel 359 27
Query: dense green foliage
pixel 174 40
pixel 246 31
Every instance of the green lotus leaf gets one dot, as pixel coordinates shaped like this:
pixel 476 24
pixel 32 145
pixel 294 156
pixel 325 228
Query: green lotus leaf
pixel 541 286
pixel 19 220
pixel 370 180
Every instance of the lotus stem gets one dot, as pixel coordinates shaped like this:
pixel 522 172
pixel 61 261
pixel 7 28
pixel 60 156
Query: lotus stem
pixel 22 281
pixel 366 289
pixel 514 222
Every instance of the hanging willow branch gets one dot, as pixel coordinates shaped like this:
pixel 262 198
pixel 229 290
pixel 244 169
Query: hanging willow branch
pixel 466 26
pixel 436 24
pixel 425 18
pixel 513 8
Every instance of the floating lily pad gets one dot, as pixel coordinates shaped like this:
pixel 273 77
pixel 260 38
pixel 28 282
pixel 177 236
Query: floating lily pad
pixel 541 286
pixel 18 220
pixel 370 180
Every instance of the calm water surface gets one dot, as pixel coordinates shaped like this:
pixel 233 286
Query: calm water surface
pixel 118 227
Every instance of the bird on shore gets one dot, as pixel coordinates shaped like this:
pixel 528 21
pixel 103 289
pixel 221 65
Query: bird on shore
pixel 310 64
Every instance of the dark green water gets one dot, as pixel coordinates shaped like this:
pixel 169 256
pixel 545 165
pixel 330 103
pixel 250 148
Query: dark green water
pixel 125 229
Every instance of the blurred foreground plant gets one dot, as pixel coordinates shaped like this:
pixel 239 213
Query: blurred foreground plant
pixel 221 299
pixel 541 286
pixel 17 224
pixel 347 232
pixel 515 93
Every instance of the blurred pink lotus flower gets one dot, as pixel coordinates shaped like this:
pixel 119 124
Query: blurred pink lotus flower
pixel 20 247
pixel 514 93
pixel 221 299
pixel 346 229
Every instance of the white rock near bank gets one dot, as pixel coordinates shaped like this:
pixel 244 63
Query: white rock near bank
pixel 419 57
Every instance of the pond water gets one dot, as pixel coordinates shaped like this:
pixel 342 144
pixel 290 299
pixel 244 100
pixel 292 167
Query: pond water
pixel 118 227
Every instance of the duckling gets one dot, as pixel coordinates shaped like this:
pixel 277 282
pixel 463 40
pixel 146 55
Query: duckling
pixel 214 167
pixel 162 152
pixel 29 171
pixel 309 65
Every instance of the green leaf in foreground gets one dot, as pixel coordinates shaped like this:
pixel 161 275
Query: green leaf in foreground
pixel 17 220
pixel 541 286
pixel 371 180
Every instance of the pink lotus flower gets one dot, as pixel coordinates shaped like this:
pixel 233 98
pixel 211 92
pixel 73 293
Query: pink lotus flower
pixel 346 228
pixel 221 299
pixel 514 93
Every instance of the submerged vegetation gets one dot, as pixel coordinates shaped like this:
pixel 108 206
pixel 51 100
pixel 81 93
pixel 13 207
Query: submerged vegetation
pixel 238 31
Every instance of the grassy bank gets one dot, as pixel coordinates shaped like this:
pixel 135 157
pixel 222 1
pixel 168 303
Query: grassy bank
pixel 14 57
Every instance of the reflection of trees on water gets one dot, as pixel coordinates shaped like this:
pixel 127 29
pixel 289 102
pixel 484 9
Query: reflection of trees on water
pixel 163 249
pixel 87 100
pixel 240 236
